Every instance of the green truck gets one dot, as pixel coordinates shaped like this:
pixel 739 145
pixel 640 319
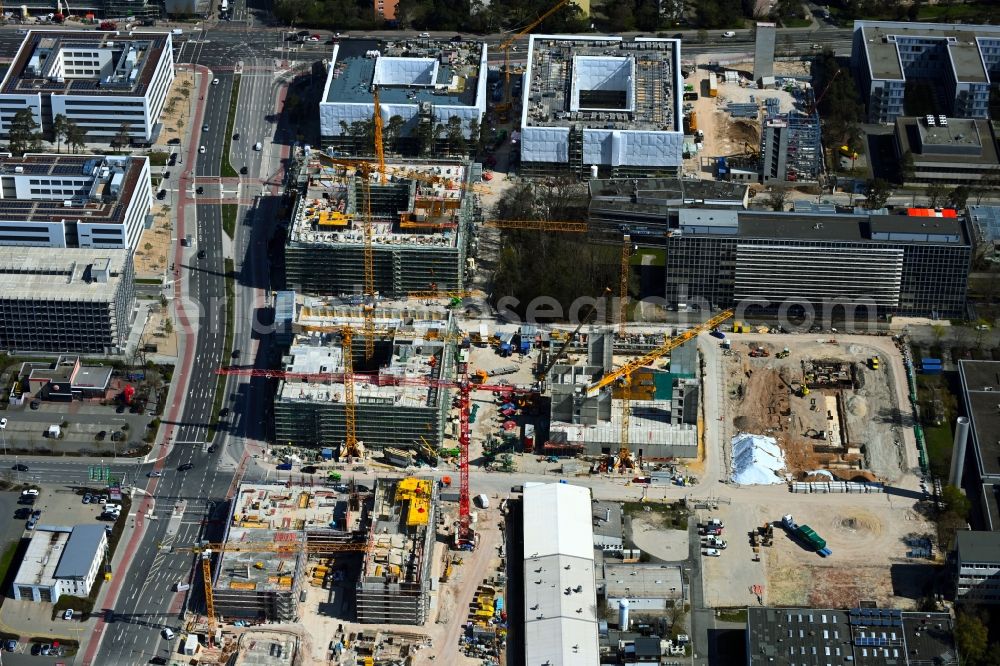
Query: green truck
pixel 807 536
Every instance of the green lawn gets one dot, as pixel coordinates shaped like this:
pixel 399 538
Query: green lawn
pixel 939 443
pixel 227 169
pixel 229 212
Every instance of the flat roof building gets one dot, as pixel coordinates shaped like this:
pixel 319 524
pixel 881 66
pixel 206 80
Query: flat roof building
pixel 952 63
pixel 870 636
pixel 980 384
pixel 977 563
pixel 66 300
pixel 396 396
pixel 948 151
pixel 395 582
pixel 641 206
pixel 74 200
pixel 99 80
pixel 61 560
pixel 421 227
pixel 602 102
pixel 560 594
pixel 650 588
pixel 833 264
pixel 421 83
pixel 65 379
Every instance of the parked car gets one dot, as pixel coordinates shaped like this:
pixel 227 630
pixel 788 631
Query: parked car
pixel 35 404
pixel 309 469
pixel 33 492
pixel 68 615
pixel 88 498
pixel 22 513
pixel 36 649
pixel 284 467
pixel 711 552
pixel 10 645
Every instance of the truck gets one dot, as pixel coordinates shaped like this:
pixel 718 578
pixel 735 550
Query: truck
pixel 806 535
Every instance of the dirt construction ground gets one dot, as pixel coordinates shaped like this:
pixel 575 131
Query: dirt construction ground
pixel 854 526
pixel 761 402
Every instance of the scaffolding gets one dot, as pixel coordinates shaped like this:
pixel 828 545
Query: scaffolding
pixel 394 586
pixel 791 149
pixel 420 232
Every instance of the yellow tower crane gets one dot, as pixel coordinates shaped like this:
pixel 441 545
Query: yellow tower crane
pixel 623 305
pixel 623 376
pixel 503 108
pixel 206 550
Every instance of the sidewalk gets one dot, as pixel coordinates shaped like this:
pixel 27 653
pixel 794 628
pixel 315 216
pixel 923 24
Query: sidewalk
pixel 187 342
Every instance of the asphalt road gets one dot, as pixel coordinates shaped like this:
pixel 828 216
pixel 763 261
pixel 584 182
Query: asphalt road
pixel 146 603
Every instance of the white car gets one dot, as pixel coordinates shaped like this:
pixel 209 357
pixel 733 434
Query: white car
pixel 711 552
pixel 68 615
pixel 155 475
pixel 33 492
pixel 728 34
pixel 425 34
pixel 215 82
pixel 201 149
pixel 3 424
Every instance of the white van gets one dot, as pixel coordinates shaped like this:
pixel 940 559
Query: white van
pixel 177 31
pixel 181 587
pixel 257 146
pixel 168 633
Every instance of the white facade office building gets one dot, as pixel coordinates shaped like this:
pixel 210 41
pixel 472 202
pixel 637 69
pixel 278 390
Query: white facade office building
pixel 98 80
pixel 61 560
pixel 602 102
pixel 420 82
pixel 74 201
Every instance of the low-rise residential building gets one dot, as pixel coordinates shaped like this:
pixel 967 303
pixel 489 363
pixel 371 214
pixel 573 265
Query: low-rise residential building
pixel 977 562
pixel 61 560
pixel 102 81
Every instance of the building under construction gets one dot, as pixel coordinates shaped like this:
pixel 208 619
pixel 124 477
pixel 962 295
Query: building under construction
pixel 398 399
pixel 790 148
pixel 602 103
pixel 422 217
pixel 394 586
pixel 268 530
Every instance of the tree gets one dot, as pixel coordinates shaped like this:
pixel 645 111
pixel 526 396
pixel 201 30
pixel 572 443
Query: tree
pixel 59 126
pixel 971 637
pixel 123 138
pixel 475 135
pixel 455 136
pixel 24 135
pixel 168 326
pixel 777 198
pixel 76 137
pixel 936 192
pixel 424 135
pixel 393 130
pixel 907 168
pixel 876 194
pixel 959 196
pixel 955 502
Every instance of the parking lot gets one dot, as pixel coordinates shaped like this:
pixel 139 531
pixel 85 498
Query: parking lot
pixel 80 426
